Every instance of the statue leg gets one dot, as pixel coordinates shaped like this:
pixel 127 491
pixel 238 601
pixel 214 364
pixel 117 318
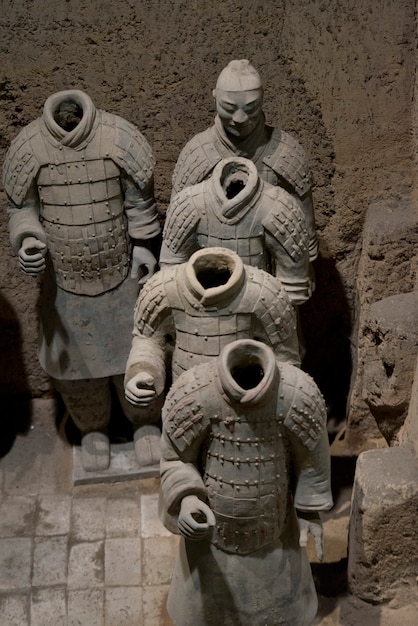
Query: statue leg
pixel 89 403
pixel 146 427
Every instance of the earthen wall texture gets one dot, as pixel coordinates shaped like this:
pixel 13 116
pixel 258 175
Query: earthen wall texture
pixel 339 75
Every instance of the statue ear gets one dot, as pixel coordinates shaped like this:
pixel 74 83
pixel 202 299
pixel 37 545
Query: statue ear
pixel 214 93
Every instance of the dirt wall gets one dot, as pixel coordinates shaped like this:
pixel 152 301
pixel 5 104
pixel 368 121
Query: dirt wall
pixel 338 74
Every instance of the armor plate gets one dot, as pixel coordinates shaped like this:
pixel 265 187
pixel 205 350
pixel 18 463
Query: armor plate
pixel 81 210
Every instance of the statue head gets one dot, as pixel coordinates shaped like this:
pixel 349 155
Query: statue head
pixel 239 98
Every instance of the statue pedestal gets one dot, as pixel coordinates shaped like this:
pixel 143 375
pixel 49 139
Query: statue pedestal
pixel 123 466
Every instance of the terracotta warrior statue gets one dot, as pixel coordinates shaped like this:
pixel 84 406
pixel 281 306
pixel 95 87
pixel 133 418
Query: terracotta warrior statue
pixel 236 209
pixel 240 129
pixel 81 209
pixel 187 313
pixel 244 458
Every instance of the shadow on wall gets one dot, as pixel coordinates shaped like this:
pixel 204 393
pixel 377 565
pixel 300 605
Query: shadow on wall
pixel 14 389
pixel 326 326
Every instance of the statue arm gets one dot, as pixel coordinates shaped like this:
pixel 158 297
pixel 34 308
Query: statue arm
pixel 313 490
pixel 310 449
pixel 27 236
pixel 24 219
pixel 143 226
pixel 145 373
pixel 140 209
pixel 295 274
pixel 179 235
pixel 308 209
pixel 182 491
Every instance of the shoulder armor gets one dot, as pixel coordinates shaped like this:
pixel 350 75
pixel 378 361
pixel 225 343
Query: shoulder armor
pixel 152 305
pixel 129 148
pixel 288 159
pixel 196 161
pixel 184 415
pixel 22 162
pixel 181 219
pixel 307 416
pixel 268 301
pixel 286 222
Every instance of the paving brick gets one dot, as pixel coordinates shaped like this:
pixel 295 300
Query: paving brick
pixel 158 559
pixel 55 477
pixel 14 610
pixel 48 607
pixel 23 468
pixel 123 606
pixel 53 515
pixel 50 557
pixel 150 522
pixel 86 608
pixel 17 516
pixel 15 563
pixel 86 565
pixel 154 606
pixel 88 518
pixel 123 518
pixel 123 562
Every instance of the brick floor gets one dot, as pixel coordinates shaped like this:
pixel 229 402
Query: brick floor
pixel 82 555
pixel 97 555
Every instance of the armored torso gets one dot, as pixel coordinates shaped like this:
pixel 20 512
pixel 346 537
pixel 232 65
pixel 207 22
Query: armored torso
pixel 238 302
pixel 237 420
pixel 279 158
pixel 81 210
pixel 246 476
pixel 78 178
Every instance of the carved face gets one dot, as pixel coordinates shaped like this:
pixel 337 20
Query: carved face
pixel 239 111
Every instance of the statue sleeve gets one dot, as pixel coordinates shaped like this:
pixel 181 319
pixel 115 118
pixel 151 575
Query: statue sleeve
pixel 179 478
pixel 179 235
pixel 140 209
pixel 24 220
pixel 306 425
pixel 312 475
pixel 152 326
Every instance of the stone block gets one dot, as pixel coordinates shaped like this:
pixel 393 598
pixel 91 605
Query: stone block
pixel 387 267
pixel 383 538
pixel 390 352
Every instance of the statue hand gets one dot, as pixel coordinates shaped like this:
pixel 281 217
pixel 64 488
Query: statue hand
pixel 143 258
pixel 310 522
pixel 32 256
pixel 195 518
pixel 140 390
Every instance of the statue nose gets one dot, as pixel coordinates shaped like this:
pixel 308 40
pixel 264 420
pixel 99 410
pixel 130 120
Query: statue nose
pixel 240 117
